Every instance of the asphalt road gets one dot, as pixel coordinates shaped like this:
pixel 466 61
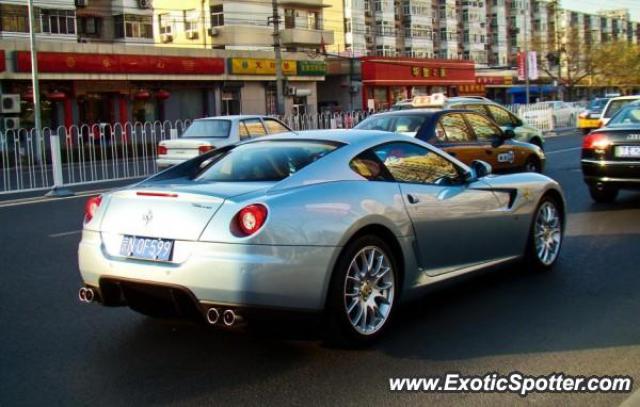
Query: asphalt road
pixel 581 319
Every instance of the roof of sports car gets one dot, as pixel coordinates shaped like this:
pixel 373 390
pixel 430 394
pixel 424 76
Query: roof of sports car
pixel 340 136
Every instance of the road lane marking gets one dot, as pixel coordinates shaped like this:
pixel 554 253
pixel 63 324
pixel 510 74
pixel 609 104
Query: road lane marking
pixel 29 201
pixel 62 234
pixel 564 150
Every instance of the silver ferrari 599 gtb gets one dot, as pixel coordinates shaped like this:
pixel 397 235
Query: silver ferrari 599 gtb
pixel 339 222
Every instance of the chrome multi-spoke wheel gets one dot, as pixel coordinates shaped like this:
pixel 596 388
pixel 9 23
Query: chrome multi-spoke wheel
pixel 547 233
pixel 369 290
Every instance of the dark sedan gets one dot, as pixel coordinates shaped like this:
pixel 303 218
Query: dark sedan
pixel 611 155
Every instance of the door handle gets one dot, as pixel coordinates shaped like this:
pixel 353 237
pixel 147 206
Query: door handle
pixel 412 199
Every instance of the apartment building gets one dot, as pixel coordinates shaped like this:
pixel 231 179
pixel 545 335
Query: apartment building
pixel 56 20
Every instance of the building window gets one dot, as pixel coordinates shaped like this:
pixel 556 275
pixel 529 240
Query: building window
pixel 14 18
pixel 89 26
pixel 217 16
pixel 191 18
pixel 133 26
pixel 58 21
pixel 165 24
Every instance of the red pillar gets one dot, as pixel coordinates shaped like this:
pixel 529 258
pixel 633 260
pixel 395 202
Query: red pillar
pixel 68 113
pixel 123 109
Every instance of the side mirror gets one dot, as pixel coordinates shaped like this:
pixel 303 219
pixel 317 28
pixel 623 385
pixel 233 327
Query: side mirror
pixel 479 169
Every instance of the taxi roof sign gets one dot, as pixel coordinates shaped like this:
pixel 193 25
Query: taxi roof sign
pixel 434 100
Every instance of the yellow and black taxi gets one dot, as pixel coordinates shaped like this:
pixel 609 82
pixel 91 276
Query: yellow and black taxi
pixel 611 155
pixel 590 118
pixel 464 134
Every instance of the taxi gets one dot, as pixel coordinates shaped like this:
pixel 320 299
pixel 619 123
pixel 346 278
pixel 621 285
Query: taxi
pixel 465 134
pixel 590 118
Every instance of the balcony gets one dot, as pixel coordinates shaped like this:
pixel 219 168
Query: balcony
pixel 294 37
pixel 243 35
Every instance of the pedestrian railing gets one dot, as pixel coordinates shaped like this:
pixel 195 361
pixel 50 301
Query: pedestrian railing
pixel 30 160
pixel 323 121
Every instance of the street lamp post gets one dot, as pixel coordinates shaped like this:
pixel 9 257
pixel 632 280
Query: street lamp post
pixel 278 59
pixel 34 71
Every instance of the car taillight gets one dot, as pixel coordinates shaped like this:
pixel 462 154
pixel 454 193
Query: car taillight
pixel 204 149
pixel 91 206
pixel 162 150
pixel 251 218
pixel 596 141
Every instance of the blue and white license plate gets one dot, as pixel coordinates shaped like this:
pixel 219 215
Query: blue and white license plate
pixel 627 151
pixel 146 248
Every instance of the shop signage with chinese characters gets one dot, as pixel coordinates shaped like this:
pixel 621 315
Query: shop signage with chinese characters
pixel 254 66
pixel 427 72
pixel 312 68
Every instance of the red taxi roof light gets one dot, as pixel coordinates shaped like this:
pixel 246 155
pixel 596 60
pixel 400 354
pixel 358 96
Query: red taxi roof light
pixel 91 206
pixel 251 218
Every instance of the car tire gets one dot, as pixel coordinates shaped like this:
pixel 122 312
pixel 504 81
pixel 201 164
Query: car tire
pixel 546 235
pixel 532 165
pixel 603 194
pixel 353 297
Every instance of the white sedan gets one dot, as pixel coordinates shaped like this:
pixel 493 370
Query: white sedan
pixel 211 133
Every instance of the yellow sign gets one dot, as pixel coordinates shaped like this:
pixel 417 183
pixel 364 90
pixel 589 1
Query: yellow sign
pixel 254 66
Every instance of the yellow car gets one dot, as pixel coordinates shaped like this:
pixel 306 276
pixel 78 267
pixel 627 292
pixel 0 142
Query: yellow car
pixel 590 118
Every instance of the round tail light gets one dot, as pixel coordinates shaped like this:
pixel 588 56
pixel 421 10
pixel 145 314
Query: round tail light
pixel 251 218
pixel 162 150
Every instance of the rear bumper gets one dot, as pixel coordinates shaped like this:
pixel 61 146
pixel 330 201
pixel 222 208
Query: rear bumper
pixel 260 276
pixel 615 173
pixel 168 162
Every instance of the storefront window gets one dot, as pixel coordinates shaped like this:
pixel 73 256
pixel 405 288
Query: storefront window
pixel 398 93
pixel 230 101
pixel 380 97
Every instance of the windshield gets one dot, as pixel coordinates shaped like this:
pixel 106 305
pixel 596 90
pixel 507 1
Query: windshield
pixel 208 129
pixel 629 116
pixel 408 124
pixel 263 161
pixel 616 105
pixel 598 104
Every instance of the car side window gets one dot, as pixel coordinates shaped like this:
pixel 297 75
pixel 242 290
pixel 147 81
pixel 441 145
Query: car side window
pixel 376 123
pixel 275 126
pixel 483 127
pixel 370 167
pixel 255 127
pixel 414 164
pixel 407 124
pixel 475 107
pixel 243 133
pixel 455 128
pixel 502 116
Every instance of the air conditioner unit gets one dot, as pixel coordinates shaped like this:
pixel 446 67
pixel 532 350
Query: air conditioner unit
pixel 212 32
pixel 144 4
pixel 191 35
pixel 11 123
pixel 9 103
pixel 166 38
pixel 82 3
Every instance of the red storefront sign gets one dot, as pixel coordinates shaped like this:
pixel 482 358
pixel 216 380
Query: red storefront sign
pixel 3 64
pixel 521 59
pixel 382 71
pixel 63 62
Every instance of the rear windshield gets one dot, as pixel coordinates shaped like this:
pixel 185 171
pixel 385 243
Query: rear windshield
pixel 629 116
pixel 208 129
pixel 598 104
pixel 264 161
pixel 408 124
pixel 616 105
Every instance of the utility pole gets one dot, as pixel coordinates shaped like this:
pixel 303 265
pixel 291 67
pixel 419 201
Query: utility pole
pixel 278 57
pixel 526 50
pixel 34 72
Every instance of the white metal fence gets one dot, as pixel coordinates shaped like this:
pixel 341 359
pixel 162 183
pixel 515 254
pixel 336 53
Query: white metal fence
pixel 81 154
pixel 546 117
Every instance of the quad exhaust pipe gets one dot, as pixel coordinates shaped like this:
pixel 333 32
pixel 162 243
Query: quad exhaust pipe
pixel 229 317
pixel 86 294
